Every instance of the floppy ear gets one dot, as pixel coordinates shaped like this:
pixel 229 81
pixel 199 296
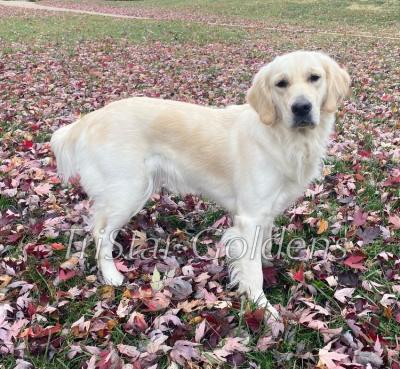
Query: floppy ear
pixel 259 97
pixel 338 84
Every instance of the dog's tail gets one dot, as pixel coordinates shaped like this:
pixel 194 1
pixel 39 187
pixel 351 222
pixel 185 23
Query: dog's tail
pixel 63 143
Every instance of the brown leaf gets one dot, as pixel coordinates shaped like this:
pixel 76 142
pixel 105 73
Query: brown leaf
pixel 5 280
pixel 322 226
pixel 111 324
pixel 107 292
pixel 71 263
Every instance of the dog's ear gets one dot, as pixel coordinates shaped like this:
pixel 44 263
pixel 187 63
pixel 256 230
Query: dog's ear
pixel 338 84
pixel 259 97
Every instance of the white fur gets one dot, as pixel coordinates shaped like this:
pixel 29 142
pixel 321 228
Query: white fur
pixel 247 158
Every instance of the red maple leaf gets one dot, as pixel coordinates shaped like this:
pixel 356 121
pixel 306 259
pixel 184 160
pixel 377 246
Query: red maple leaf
pixel 355 262
pixel 364 153
pixel 254 319
pixel 65 275
pixel 27 144
pixel 38 331
pixel 391 181
pixel 57 246
pixel 299 275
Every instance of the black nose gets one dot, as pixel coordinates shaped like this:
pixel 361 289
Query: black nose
pixel 301 107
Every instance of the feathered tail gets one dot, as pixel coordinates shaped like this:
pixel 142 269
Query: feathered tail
pixel 63 144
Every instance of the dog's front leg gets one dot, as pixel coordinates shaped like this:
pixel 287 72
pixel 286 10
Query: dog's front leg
pixel 266 253
pixel 243 244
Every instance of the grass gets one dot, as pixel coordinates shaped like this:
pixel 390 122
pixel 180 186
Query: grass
pixel 69 29
pixel 7 203
pixel 361 15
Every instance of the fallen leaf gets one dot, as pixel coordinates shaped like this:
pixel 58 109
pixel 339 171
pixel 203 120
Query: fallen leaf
pixel 5 280
pixel 322 226
pixel 343 294
pixel 184 351
pixel 200 330
pixel 330 359
pixel 299 275
pixel 71 263
pixel 355 262
pixel 254 319
pixel 395 221
pixel 107 292
pixel 359 218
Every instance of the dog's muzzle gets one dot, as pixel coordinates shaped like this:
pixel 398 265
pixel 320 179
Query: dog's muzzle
pixel 301 110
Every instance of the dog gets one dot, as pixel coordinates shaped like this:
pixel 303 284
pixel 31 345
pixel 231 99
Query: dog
pixel 253 159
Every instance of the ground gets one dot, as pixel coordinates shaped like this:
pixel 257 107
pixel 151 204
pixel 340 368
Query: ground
pixel 340 306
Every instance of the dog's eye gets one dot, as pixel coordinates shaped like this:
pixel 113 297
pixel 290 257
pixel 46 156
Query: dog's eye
pixel 314 77
pixel 282 83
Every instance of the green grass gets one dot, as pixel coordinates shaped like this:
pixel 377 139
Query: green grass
pixel 173 221
pixel 362 15
pixel 371 197
pixel 211 216
pixel 69 29
pixel 7 203
pixel 264 359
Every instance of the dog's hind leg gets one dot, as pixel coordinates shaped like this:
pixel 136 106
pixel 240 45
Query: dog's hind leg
pixel 113 209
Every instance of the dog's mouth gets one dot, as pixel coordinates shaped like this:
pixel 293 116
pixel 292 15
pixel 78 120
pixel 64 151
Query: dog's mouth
pixel 303 122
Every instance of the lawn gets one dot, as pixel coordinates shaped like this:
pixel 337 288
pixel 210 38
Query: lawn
pixel 373 16
pixel 341 307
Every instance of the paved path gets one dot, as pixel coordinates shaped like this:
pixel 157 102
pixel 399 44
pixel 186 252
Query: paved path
pixel 32 5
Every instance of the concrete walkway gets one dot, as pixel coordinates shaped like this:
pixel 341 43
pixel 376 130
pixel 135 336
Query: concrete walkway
pixel 33 5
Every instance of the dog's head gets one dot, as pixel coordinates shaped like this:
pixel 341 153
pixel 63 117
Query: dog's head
pixel 295 88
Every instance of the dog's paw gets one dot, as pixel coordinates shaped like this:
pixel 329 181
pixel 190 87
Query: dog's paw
pixel 113 277
pixel 267 262
pixel 271 314
pixel 261 300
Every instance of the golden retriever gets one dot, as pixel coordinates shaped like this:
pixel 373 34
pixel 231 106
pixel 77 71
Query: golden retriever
pixel 253 159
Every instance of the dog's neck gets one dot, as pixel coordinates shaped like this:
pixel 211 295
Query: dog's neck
pixel 302 151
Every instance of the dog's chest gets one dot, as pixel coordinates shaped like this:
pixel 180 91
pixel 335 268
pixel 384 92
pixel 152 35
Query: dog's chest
pixel 302 162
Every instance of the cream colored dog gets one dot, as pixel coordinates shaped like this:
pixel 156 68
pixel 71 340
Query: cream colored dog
pixel 253 159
